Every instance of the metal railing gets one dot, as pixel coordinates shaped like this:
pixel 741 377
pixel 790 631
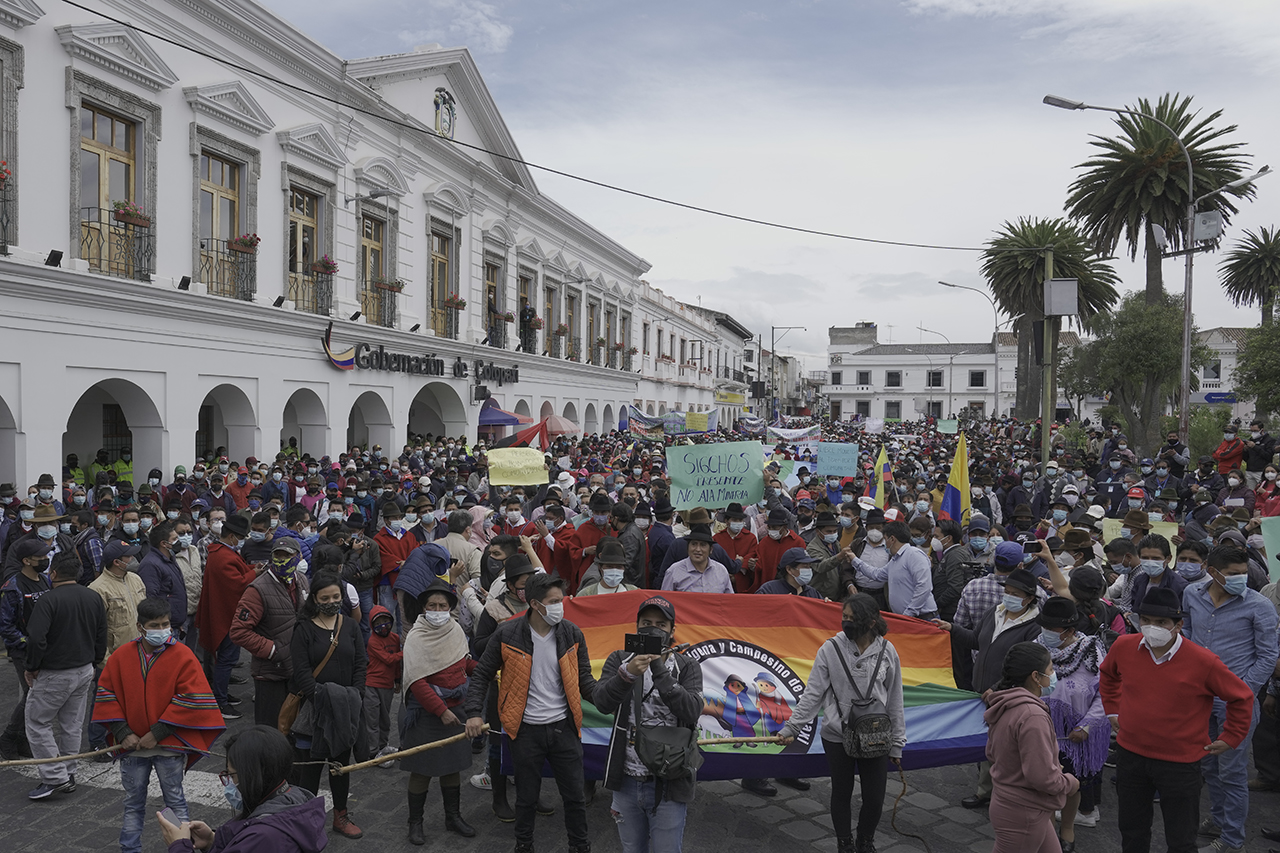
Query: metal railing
pixel 529 340
pixel 497 333
pixel 555 347
pixel 378 304
pixel 312 292
pixel 613 358
pixel 7 223
pixel 575 349
pixel 444 322
pixel 626 361
pixel 597 355
pixel 227 272
pixel 117 245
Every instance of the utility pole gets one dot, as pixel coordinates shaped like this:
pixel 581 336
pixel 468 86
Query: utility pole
pixel 1046 393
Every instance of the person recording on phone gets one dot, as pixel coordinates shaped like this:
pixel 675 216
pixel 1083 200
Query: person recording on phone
pixel 649 805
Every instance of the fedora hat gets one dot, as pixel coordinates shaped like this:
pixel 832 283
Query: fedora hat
pixel 611 552
pixel 1137 519
pixel 1058 612
pixel 46 514
pixel 1077 539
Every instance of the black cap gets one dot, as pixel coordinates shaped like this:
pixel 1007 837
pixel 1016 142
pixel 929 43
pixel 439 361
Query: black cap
pixel 32 547
pixel 1058 612
pixel 791 556
pixel 1161 603
pixel 1023 580
pixel 667 608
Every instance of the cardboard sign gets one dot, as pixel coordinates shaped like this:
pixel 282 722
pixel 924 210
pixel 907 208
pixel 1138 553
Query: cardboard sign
pixel 516 466
pixel 837 459
pixel 714 475
pixel 1111 529
pixel 1271 542
pixel 695 421
pixel 948 427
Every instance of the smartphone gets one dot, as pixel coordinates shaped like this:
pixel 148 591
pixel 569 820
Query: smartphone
pixel 643 644
pixel 168 814
pixel 1032 547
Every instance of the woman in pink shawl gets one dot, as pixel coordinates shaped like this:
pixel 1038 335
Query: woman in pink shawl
pixel 480 533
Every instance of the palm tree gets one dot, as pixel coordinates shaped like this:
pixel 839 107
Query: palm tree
pixel 1139 179
pixel 1014 266
pixel 1251 271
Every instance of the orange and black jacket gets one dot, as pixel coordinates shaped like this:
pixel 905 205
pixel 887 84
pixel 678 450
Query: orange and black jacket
pixel 510 649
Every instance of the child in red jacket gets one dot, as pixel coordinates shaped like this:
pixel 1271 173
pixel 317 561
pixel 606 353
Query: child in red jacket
pixel 386 664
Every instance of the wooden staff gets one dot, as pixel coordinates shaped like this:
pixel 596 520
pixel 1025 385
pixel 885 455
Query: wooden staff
pixel 716 741
pixel 373 762
pixel 60 758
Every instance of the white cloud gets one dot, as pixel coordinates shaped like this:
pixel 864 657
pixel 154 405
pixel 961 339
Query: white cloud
pixel 471 23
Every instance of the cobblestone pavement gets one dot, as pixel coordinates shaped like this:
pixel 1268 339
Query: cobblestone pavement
pixel 723 818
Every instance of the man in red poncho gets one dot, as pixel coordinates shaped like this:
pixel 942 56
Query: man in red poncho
pixel 154 701
pixel 226 577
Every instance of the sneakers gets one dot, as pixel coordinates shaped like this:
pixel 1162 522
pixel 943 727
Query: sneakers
pixel 45 789
pixel 481 781
pixel 1220 846
pixel 1208 828
pixel 229 713
pixel 1090 819
pixel 233 699
pixel 386 750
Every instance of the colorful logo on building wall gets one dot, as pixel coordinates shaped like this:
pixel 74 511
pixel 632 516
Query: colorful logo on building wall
pixel 345 360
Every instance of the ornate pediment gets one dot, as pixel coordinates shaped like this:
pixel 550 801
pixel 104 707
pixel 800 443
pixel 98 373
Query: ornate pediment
pixel 119 50
pixel 449 196
pixel 381 173
pixel 230 103
pixel 19 13
pixel 315 143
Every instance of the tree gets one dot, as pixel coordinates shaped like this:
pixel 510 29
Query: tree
pixel 1257 373
pixel 1251 271
pixel 1136 357
pixel 1139 179
pixel 1014 266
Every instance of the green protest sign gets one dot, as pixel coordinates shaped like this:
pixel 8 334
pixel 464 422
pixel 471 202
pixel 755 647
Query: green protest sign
pixel 715 475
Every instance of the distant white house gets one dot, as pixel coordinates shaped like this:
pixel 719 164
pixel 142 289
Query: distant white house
pixel 1216 385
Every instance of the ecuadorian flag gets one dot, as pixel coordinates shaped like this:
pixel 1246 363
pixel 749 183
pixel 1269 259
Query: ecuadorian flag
pixel 955 500
pixel 880 483
pixel 756 653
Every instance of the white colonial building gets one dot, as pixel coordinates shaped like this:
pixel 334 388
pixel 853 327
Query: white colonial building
pixel 1216 377
pixel 342 252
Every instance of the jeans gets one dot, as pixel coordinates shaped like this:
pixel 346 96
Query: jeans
pixel 873 773
pixel 1138 780
pixel 643 824
pixel 366 607
pixel 377 716
pixel 61 695
pixel 135 775
pixel 559 745
pixel 1227 776
pixel 224 659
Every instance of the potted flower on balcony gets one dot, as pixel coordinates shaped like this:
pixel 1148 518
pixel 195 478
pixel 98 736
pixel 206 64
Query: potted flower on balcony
pixel 4 172
pixel 131 213
pixel 601 343
pixel 454 302
pixel 326 265
pixel 633 351
pixel 394 285
pixel 535 323
pixel 619 346
pixel 562 331
pixel 246 244
pixel 508 317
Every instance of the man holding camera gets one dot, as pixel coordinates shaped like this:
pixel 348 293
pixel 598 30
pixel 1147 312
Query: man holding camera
pixel 650 802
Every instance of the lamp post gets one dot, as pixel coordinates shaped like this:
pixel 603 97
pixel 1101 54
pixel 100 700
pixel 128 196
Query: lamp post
pixel 995 343
pixel 773 358
pixel 951 367
pixel 927 388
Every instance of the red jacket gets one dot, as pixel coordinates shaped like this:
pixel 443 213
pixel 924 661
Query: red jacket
pixel 386 660
pixel 769 552
pixel 239 493
pixel 393 552
pixel 742 548
pixel 450 677
pixel 1229 455
pixel 584 537
pixel 226 577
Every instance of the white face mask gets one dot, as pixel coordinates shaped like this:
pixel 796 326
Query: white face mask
pixel 680 530
pixel 515 518
pixel 875 536
pixel 410 518
pixel 736 526
pixel 1270 475
pixel 436 618
pixel 775 534
pixel 642 523
pixel 612 577
pixel 553 613
pixel 1156 636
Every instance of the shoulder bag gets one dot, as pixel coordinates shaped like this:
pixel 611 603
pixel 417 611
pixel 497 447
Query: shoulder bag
pixel 868 731
pixel 293 702
pixel 668 752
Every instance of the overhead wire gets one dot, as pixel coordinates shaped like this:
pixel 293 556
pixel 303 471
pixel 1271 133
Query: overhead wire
pixel 384 117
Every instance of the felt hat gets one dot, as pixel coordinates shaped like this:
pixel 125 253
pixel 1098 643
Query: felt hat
pixel 1136 519
pixel 1058 612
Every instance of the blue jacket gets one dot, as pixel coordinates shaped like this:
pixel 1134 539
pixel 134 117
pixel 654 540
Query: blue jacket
pixel 15 610
pixel 302 543
pixel 163 579
pixel 424 565
pixel 660 539
pixel 272 490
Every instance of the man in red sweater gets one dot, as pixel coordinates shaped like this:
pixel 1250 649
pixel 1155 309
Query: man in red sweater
pixel 1158 692
pixel 226 577
pixel 582 545
pixel 778 540
pixel 740 544
pixel 394 547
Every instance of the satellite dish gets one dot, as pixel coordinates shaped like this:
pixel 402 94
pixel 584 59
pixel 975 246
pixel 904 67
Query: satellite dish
pixel 1161 239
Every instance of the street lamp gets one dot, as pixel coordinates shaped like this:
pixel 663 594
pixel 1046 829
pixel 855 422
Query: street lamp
pixel 995 343
pixel 927 388
pixel 951 368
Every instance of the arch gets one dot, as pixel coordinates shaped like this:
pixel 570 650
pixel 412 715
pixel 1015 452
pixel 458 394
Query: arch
pixel 369 422
pixel 307 422
pixel 227 419
pixel 648 409
pixel 114 414
pixel 437 410
pixel 382 173
pixel 9 444
pixel 546 411
pixel 607 422
pixel 522 408
pixel 662 409
pixel 571 412
pixel 589 423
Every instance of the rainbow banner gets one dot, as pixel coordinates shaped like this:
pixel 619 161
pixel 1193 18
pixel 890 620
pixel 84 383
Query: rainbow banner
pixel 768 642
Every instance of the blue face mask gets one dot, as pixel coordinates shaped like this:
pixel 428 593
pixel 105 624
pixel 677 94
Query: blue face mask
pixel 922 506
pixel 830 538
pixel 1013 603
pixel 1045 690
pixel 1028 483
pixel 232 793
pixel 1235 584
pixel 158 636
pixel 1027 559
pixel 1191 571
pixel 919 541
pixel 1059 515
pixel 978 544
pixel 257 536
pixel 846 521
pixel 1050 639
pixel 1152 567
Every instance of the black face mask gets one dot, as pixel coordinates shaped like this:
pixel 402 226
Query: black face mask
pixel 849 628
pixel 655 631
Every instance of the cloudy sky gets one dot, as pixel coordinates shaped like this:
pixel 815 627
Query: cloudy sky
pixel 910 120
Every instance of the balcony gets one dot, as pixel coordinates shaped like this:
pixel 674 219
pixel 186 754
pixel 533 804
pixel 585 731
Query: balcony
pixel 226 271
pixel 528 339
pixel 444 322
pixel 555 346
pixel 627 362
pixel 497 337
pixel 378 298
pixel 614 355
pixel 116 244
pixel 7 224
pixel 312 291
pixel 575 349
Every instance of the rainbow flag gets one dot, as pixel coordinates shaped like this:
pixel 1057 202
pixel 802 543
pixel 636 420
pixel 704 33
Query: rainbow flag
pixel 880 483
pixel 769 643
pixel 955 500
